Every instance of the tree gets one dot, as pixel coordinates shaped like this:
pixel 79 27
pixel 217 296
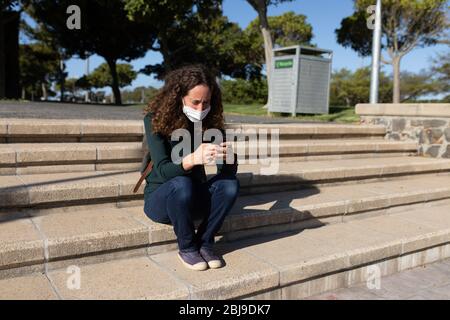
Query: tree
pixel 339 95
pixel 38 66
pixel 9 49
pixel 40 34
pixel 261 7
pixel 441 71
pixel 216 43
pixel 416 85
pixel 286 30
pixel 406 25
pixel 102 77
pixel 350 88
pixel 105 30
pixel 195 31
pixel 71 85
pixel 139 94
pixel 240 91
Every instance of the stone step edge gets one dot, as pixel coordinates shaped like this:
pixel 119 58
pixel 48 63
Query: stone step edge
pixel 14 126
pixel 238 226
pixel 349 276
pixel 120 166
pixel 284 143
pixel 319 274
pixel 13 158
pixel 250 183
pixel 10 127
pixel 56 138
pixel 340 174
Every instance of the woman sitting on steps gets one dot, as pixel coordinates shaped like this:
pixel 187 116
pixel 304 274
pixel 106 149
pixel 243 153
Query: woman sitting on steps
pixel 179 193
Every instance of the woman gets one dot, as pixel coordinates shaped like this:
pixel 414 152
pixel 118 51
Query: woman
pixel 178 193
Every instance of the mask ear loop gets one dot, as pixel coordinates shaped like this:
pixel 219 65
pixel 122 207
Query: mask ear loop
pixel 207 111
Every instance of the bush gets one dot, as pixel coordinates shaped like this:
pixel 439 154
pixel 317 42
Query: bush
pixel 240 91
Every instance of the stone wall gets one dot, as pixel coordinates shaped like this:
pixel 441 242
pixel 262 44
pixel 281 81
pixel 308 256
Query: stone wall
pixel 428 124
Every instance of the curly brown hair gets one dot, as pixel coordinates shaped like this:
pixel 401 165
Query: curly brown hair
pixel 167 107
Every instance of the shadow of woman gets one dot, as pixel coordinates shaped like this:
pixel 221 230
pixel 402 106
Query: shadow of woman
pixel 260 218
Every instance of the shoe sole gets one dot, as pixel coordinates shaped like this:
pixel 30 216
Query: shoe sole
pixel 197 267
pixel 215 264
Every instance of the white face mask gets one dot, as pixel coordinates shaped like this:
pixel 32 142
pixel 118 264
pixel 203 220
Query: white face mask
pixel 195 115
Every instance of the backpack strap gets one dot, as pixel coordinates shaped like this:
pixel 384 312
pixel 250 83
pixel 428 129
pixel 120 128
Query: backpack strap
pixel 143 175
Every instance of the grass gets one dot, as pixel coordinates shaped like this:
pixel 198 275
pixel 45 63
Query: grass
pixel 248 110
pixel 336 114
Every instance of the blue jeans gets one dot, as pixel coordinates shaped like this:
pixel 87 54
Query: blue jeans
pixel 181 200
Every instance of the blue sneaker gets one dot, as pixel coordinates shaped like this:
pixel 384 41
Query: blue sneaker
pixel 193 260
pixel 212 259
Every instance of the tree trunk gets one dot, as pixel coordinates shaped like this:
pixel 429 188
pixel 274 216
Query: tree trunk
pixel 9 54
pixel 44 91
pixel 62 82
pixel 167 57
pixel 2 57
pixel 267 50
pixel 268 44
pixel 115 84
pixel 62 79
pixel 268 54
pixel 396 75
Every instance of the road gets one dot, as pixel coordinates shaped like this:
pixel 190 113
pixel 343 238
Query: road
pixel 53 110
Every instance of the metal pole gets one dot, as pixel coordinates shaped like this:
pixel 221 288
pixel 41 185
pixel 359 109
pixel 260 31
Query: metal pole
pixel 2 57
pixel 86 95
pixel 62 80
pixel 376 47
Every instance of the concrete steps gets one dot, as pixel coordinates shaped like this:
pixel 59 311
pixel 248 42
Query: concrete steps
pixel 29 146
pixel 295 175
pixel 36 240
pixel 315 130
pixel 16 130
pixel 30 158
pixel 64 189
pixel 342 200
pixel 283 266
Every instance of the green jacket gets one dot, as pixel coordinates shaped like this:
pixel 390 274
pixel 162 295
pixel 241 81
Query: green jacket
pixel 164 169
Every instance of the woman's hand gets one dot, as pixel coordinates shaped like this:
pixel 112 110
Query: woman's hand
pixel 206 153
pixel 224 149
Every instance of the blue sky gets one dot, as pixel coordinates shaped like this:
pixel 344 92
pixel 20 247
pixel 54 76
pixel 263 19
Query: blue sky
pixel 324 15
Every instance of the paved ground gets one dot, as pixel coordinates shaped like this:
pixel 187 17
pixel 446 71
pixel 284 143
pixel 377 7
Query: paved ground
pixel 50 110
pixel 431 282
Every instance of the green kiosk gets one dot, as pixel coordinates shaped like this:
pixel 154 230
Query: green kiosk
pixel 300 80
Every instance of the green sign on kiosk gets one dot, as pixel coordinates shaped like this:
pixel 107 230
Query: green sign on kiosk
pixel 287 63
